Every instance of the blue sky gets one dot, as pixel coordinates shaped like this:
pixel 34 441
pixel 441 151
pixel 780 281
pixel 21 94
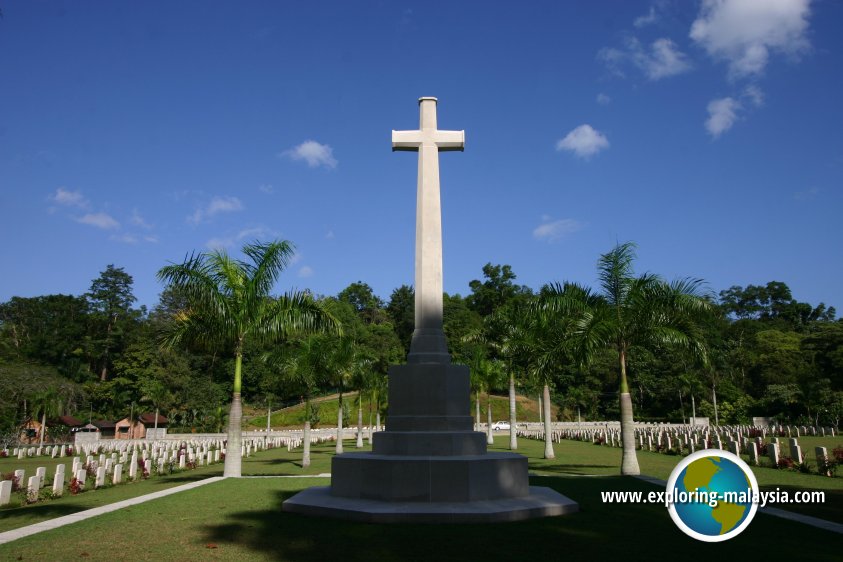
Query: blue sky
pixel 707 132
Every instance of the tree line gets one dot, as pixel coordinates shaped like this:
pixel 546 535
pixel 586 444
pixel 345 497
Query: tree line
pixel 635 343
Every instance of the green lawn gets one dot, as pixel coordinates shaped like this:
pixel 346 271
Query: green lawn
pixel 241 519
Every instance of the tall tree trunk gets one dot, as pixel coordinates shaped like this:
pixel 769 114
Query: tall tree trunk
pixel 541 415
pixel 338 449
pixel 378 419
pixel 43 427
pixel 714 397
pixel 233 460
pixel 513 439
pixel 489 437
pixel 629 461
pixel 693 411
pixel 155 431
pixel 359 421
pixel 477 410
pixel 268 425
pixel 682 406
pixel 305 460
pixel 548 431
pixel 371 429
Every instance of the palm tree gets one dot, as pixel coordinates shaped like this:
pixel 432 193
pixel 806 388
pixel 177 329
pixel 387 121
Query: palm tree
pixel 157 394
pixel 47 403
pixel 362 379
pixel 229 303
pixel 342 363
pixel 489 374
pixel 642 311
pixel 304 368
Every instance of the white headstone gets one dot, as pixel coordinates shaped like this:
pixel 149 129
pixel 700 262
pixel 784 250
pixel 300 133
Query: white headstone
pixel 100 480
pixel 773 451
pixel 118 474
pixel 58 480
pixel 5 492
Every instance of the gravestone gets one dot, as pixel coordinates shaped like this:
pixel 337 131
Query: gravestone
pixel 822 461
pixel 117 477
pixel 5 492
pixel 429 464
pixel 100 479
pixel 33 486
pixel 753 453
pixel 19 474
pixel 795 451
pixel 773 451
pixel 58 480
pixel 41 473
pixel 81 474
pixel 133 468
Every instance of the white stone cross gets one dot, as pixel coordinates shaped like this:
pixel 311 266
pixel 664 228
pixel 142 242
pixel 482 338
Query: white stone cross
pixel 428 343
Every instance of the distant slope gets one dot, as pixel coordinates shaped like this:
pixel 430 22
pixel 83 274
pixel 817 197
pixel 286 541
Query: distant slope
pixel 526 409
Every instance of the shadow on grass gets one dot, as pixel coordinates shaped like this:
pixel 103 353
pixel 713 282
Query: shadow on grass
pixel 600 531
pixel 575 469
pixel 831 509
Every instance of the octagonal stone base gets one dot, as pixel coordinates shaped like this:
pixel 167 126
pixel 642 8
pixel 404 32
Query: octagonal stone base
pixel 539 502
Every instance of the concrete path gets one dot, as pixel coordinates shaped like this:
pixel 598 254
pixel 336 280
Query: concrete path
pixel 15 534
pixel 774 511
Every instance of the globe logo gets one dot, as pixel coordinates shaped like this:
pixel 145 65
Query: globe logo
pixel 712 495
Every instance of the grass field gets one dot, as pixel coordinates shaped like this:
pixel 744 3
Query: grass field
pixel 241 519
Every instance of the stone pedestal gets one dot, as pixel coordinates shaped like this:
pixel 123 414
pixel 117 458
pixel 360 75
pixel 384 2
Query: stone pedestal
pixel 429 466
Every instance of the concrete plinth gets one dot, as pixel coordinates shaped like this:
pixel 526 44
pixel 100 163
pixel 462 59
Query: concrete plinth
pixel 540 502
pixel 428 466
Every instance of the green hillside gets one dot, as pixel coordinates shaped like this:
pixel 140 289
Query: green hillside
pixel 293 417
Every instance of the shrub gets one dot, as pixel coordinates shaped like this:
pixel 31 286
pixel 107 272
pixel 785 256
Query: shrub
pixel 786 463
pixel 75 486
pixel 15 480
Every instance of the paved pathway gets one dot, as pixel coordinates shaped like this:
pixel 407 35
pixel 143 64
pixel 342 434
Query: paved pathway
pixel 15 534
pixel 774 511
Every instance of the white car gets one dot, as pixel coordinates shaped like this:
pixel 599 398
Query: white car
pixel 501 425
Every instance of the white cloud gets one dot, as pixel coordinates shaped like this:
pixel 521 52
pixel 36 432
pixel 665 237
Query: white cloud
pixel 754 94
pixel 603 99
pixel 266 188
pixel 137 220
pixel 329 235
pixel 555 230
pixel 313 153
pixel 247 234
pixel 305 271
pixel 806 195
pixel 722 114
pixel 219 243
pixel 69 198
pixel 650 18
pixel 99 220
pixel 214 207
pixel 125 238
pixel 744 32
pixel 662 60
pixel 584 141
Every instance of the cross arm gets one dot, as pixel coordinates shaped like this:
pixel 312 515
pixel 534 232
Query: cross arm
pixel 406 140
pixel 450 140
